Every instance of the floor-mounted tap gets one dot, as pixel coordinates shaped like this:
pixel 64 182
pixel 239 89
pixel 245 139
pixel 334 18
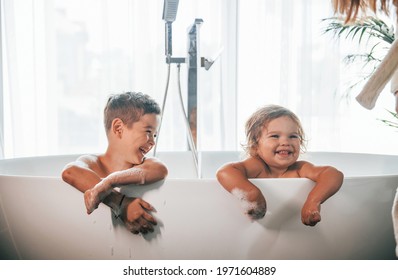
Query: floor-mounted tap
pixel 194 61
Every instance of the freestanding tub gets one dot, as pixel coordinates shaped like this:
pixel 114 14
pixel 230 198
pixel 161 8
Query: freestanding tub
pixel 41 217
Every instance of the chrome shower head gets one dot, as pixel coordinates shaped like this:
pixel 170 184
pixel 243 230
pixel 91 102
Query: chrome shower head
pixel 170 10
pixel 169 15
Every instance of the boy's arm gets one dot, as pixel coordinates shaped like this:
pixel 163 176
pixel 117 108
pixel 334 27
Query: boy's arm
pixel 150 171
pixel 234 178
pixel 131 210
pixel 328 181
pixel 79 175
pixel 82 177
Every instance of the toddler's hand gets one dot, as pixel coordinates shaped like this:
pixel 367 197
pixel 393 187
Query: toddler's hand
pixel 253 203
pixel 310 213
pixel 258 208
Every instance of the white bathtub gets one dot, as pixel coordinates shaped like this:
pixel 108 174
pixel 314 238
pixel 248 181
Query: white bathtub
pixel 42 217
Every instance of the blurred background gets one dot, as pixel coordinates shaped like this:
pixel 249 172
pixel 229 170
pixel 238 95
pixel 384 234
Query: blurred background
pixel 62 59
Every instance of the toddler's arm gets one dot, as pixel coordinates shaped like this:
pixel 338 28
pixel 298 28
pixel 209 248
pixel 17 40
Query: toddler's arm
pixel 328 181
pixel 234 178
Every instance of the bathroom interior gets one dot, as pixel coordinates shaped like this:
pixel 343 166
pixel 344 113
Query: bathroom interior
pixel 209 64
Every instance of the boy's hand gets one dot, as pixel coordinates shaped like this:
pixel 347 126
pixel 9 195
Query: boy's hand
pixel 310 213
pixel 92 198
pixel 135 216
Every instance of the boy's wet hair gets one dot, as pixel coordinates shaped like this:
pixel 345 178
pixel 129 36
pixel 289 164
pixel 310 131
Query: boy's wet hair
pixel 129 107
pixel 260 118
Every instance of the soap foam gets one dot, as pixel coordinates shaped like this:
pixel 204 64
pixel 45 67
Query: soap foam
pixel 242 197
pixel 250 208
pixel 94 196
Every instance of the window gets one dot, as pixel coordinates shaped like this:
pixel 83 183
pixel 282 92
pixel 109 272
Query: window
pixel 61 60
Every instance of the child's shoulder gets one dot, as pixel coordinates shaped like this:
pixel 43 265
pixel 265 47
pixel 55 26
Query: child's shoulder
pixel 303 165
pixel 251 160
pixel 254 166
pixel 84 161
pixel 88 159
pixel 312 171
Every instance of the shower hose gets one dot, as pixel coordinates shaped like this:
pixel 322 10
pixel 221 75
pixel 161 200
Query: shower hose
pixel 185 116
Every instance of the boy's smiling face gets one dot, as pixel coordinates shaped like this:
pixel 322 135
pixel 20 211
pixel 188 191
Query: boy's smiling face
pixel 139 139
pixel 279 143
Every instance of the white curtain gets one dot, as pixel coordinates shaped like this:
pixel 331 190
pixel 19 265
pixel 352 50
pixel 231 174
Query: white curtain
pixel 1 89
pixel 61 59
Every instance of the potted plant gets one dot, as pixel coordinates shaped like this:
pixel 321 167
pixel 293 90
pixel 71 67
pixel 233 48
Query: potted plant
pixel 371 34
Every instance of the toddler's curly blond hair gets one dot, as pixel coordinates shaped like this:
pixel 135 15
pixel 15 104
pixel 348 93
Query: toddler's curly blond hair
pixel 260 118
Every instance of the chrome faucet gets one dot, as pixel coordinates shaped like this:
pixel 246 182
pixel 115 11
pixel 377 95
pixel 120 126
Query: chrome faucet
pixel 193 61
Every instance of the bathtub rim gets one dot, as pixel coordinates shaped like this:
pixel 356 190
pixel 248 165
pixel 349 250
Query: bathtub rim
pixel 240 153
pixel 193 180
